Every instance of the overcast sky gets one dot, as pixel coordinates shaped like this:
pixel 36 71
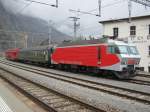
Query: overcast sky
pixel 88 23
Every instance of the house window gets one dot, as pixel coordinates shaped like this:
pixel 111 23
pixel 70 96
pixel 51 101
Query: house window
pixel 115 32
pixel 132 30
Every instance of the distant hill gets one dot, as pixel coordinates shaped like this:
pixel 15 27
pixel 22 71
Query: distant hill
pixel 14 29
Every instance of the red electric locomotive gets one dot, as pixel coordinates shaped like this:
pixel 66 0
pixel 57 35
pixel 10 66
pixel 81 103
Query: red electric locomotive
pixel 117 57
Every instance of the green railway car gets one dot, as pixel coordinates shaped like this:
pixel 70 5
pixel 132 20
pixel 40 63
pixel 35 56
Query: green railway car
pixel 36 55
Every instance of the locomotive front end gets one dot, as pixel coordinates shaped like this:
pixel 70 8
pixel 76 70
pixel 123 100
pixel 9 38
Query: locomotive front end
pixel 129 60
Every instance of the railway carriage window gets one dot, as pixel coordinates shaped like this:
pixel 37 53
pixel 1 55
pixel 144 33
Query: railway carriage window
pixel 44 53
pixel 35 53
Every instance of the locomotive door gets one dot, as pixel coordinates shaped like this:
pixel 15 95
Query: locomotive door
pixel 99 55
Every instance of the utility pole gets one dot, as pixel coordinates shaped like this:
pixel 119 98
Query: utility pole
pixel 99 6
pixel 26 40
pixel 75 19
pixel 129 9
pixel 50 32
pixel 56 3
pixel 32 41
pixel 15 42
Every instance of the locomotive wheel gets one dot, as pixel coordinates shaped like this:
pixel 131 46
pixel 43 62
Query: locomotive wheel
pixel 122 75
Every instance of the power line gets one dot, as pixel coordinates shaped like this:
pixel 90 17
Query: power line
pixel 27 5
pixel 143 2
pixel 16 31
pixel 83 12
pixel 43 3
pixel 90 11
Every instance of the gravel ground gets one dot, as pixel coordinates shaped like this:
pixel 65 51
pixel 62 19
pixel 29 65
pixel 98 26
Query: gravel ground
pixel 29 103
pixel 99 99
pixel 137 87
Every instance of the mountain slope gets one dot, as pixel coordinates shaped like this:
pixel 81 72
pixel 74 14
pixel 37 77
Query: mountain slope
pixel 14 29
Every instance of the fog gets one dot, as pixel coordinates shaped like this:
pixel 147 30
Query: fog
pixel 111 9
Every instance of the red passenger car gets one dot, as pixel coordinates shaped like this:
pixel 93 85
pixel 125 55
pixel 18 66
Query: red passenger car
pixel 12 54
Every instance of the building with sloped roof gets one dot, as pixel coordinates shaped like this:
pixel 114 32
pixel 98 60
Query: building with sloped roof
pixel 137 31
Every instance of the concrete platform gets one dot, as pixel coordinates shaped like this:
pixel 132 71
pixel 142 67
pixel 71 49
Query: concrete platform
pixel 9 102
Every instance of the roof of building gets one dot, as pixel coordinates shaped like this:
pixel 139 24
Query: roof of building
pixel 124 19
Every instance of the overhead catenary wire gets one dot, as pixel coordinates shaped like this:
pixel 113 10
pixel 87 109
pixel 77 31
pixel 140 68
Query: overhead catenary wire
pixel 43 3
pixel 143 2
pixel 89 12
pixel 107 5
pixel 21 10
pixel 23 32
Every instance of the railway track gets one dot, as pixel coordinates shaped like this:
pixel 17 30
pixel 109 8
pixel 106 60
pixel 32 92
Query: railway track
pixel 134 80
pixel 51 100
pixel 143 75
pixel 138 81
pixel 118 91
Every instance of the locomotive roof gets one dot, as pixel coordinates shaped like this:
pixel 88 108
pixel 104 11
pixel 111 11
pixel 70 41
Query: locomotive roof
pixel 116 42
pixel 95 41
pixel 83 42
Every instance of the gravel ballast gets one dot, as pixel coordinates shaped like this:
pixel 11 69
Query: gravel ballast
pixel 99 99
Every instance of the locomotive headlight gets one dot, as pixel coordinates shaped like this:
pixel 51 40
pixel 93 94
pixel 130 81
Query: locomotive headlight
pixel 123 61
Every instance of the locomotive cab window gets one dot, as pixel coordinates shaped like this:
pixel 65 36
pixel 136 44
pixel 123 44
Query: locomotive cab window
pixel 133 50
pixel 123 49
pixel 111 49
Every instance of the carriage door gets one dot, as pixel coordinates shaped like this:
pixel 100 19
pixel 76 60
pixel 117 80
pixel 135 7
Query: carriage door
pixel 99 55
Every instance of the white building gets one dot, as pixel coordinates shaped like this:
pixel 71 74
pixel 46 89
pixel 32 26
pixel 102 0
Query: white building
pixel 136 31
